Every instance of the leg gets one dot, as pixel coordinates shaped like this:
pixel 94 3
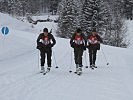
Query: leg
pixel 76 59
pixel 42 54
pixel 49 54
pixel 94 56
pixel 80 54
pixel 90 56
pixel 76 55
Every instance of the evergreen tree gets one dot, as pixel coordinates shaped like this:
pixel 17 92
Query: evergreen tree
pixel 87 13
pixel 68 18
pixel 95 15
pixel 116 32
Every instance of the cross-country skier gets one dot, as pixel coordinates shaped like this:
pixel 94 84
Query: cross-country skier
pixel 45 45
pixel 94 41
pixel 78 42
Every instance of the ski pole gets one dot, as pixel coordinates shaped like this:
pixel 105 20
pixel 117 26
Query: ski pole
pixel 70 67
pixel 55 60
pixel 38 60
pixel 86 59
pixel 105 56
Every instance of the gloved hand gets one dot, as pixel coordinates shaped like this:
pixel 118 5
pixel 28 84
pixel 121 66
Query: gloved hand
pixel 87 46
pixel 39 44
pixel 51 45
pixel 84 47
pixel 39 47
pixel 72 45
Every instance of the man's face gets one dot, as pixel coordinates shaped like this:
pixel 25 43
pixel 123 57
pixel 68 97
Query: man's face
pixel 78 33
pixel 93 33
pixel 45 33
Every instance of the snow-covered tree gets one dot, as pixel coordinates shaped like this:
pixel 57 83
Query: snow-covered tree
pixel 69 15
pixel 87 14
pixel 116 31
pixel 95 15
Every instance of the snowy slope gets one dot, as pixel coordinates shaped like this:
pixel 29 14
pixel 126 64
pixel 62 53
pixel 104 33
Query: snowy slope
pixel 19 78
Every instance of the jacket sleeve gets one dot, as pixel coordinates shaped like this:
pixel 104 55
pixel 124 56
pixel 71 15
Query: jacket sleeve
pixel 38 39
pixel 71 40
pixel 53 40
pixel 100 39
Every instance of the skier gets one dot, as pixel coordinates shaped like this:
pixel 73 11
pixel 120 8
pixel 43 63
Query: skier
pixel 94 41
pixel 78 42
pixel 45 46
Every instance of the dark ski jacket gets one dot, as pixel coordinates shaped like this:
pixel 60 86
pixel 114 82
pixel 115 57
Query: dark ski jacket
pixel 97 45
pixel 40 45
pixel 74 45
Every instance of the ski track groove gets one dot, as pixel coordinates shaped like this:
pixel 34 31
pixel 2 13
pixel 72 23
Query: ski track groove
pixel 26 88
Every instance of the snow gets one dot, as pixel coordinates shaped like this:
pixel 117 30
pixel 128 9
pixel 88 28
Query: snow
pixel 19 71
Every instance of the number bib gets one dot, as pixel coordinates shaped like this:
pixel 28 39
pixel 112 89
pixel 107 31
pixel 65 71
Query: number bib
pixel 46 40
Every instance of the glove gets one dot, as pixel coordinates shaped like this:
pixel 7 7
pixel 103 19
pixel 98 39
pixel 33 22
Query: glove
pixel 84 47
pixel 87 46
pixel 72 45
pixel 39 47
pixel 51 45
pixel 39 44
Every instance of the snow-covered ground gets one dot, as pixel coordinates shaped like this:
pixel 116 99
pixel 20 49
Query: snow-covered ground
pixel 19 78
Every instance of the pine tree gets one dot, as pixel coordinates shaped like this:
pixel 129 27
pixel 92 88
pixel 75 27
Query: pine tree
pixel 95 15
pixel 68 18
pixel 104 17
pixel 116 33
pixel 87 16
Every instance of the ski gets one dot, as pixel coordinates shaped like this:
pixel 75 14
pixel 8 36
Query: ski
pixel 78 73
pixel 93 67
pixel 44 73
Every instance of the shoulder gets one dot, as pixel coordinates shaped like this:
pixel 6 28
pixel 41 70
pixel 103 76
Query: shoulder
pixel 73 35
pixel 98 36
pixel 41 34
pixel 50 35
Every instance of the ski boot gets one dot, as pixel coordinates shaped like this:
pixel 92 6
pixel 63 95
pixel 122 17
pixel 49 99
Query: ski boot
pixel 77 66
pixel 42 69
pixel 94 66
pixel 79 70
pixel 91 66
pixel 48 69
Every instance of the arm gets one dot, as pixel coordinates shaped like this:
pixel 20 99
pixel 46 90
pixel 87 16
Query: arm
pixel 38 39
pixel 71 40
pixel 39 44
pixel 99 39
pixel 53 40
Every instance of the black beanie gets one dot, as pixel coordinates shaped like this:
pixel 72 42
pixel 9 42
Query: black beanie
pixel 45 30
pixel 79 30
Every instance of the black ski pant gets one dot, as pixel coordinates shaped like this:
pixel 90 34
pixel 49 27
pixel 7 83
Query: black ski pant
pixel 78 53
pixel 43 53
pixel 92 56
